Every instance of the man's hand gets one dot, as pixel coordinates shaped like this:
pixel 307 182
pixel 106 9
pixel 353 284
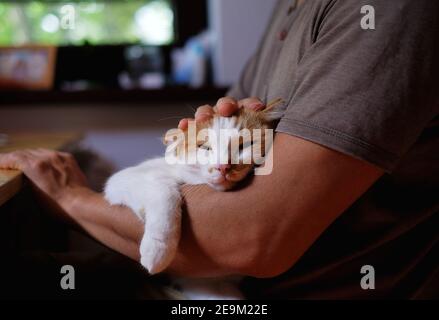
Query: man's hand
pixel 53 174
pixel 226 107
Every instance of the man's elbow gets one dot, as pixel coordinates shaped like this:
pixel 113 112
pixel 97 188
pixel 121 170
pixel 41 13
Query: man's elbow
pixel 266 261
pixel 267 268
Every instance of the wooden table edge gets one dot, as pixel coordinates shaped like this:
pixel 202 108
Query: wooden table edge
pixel 11 181
pixel 10 184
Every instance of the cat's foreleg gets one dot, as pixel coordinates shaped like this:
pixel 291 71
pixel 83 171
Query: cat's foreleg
pixel 154 196
pixel 162 228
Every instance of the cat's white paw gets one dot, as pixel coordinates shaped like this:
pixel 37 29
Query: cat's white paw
pixel 154 196
pixel 156 255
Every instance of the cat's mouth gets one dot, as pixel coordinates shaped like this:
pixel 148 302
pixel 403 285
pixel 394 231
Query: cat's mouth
pixel 218 180
pixel 227 180
pixel 221 183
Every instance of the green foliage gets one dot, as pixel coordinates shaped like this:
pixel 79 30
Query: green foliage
pixel 96 22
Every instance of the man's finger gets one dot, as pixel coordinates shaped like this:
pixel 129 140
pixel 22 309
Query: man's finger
pixel 252 103
pixel 12 161
pixel 67 156
pixel 204 113
pixel 183 124
pixel 227 106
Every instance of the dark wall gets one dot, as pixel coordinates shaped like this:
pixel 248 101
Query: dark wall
pixel 191 18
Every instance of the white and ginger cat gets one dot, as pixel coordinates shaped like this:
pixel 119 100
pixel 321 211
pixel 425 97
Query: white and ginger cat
pixel 152 189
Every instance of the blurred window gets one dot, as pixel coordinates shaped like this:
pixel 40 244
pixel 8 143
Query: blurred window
pixel 86 22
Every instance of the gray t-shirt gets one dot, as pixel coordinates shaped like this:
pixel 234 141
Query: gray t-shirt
pixel 374 95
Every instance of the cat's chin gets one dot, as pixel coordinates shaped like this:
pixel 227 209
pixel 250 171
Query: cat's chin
pixel 222 186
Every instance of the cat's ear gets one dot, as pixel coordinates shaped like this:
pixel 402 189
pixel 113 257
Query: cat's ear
pixel 271 113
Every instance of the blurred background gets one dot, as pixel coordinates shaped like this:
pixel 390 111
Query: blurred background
pixel 118 73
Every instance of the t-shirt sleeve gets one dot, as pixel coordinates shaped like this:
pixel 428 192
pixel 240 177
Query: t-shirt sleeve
pixel 368 93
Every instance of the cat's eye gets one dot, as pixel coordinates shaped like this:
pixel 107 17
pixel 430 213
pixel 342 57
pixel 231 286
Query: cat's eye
pixel 205 147
pixel 246 145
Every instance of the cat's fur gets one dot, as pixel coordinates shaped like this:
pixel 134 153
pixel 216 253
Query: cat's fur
pixel 152 189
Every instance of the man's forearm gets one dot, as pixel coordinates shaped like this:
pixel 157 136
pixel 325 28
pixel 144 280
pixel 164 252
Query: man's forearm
pixel 217 239
pixel 118 228
pixel 221 253
pixel 115 226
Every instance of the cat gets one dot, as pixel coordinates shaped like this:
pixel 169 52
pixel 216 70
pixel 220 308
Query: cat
pixel 152 189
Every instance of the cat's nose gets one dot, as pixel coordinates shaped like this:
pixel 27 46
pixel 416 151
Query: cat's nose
pixel 223 168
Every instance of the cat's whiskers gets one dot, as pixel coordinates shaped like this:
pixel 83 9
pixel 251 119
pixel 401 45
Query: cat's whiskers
pixel 170 118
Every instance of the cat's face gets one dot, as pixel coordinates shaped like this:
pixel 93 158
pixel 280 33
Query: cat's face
pixel 229 144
